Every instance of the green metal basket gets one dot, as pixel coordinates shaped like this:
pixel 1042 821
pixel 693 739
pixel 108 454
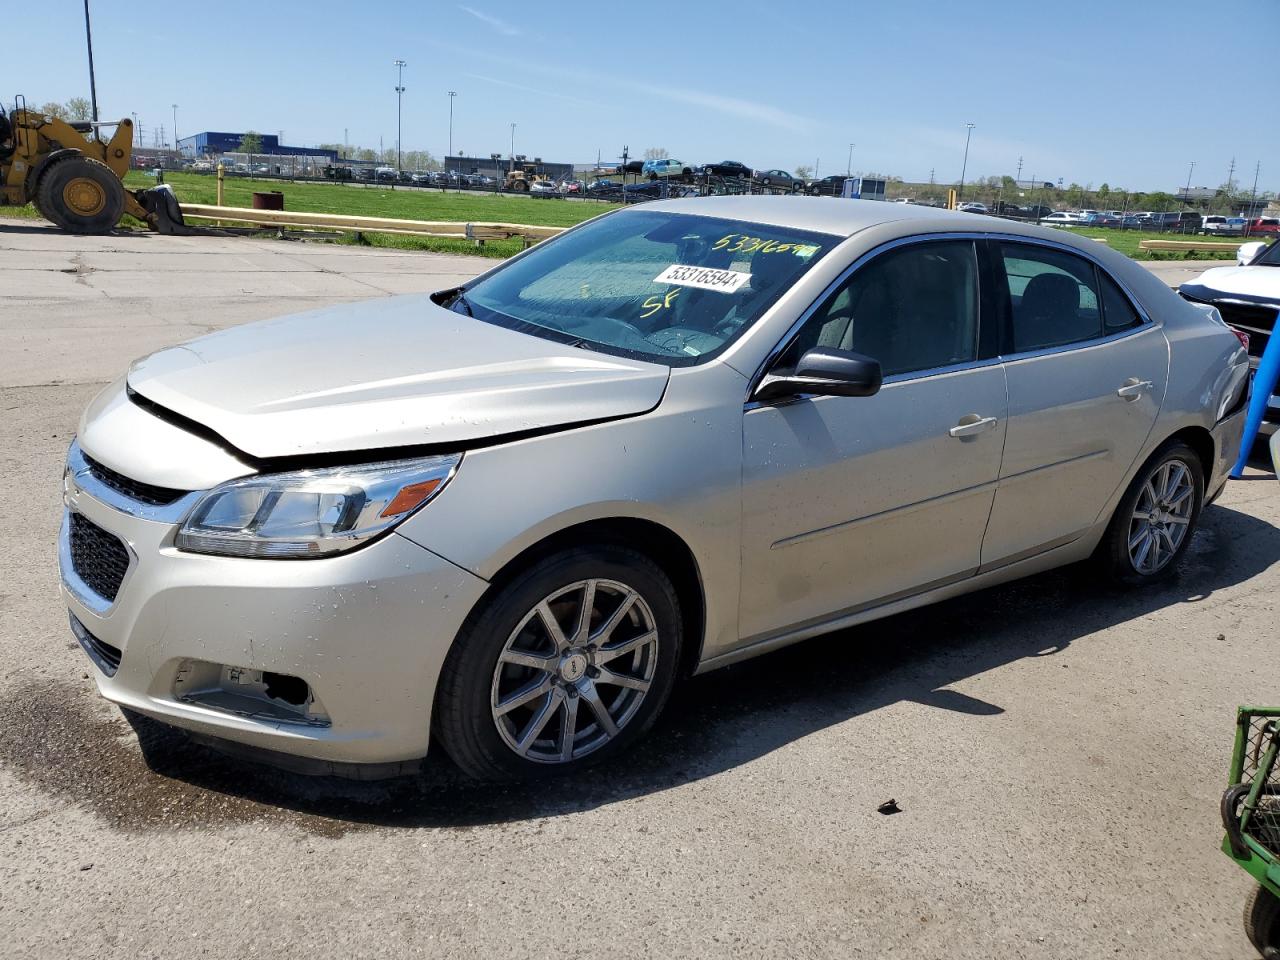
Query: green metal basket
pixel 1251 804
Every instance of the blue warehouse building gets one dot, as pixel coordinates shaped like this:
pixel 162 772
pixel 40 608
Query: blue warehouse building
pixel 211 143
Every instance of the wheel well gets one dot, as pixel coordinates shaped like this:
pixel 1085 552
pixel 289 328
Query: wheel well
pixel 660 544
pixel 1201 441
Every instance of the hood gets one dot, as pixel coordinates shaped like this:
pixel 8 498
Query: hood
pixel 387 373
pixel 1256 284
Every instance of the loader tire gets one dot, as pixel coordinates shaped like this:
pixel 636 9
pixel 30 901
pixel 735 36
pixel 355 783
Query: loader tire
pixel 80 195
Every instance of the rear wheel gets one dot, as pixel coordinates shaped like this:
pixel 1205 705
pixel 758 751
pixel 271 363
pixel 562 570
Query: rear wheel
pixel 81 195
pixel 566 665
pixel 1155 519
pixel 1262 921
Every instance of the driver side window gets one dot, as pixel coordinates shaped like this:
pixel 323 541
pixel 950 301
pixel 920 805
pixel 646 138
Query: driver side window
pixel 913 308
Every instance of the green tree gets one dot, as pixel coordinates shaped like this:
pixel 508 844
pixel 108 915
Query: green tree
pixel 804 171
pixel 366 154
pixel 656 153
pixel 251 142
pixel 54 109
pixel 1104 191
pixel 80 108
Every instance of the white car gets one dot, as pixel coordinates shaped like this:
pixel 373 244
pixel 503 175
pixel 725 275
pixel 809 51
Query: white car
pixel 1062 217
pixel 973 207
pixel 1248 298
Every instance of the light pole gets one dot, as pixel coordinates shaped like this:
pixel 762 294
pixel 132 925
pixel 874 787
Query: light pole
pixel 513 146
pixel 1186 191
pixel 175 126
pixel 452 94
pixel 400 65
pixel 93 86
pixel 965 166
pixel 137 137
pixel 848 170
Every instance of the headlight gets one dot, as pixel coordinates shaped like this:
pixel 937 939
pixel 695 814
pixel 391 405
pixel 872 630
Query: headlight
pixel 311 513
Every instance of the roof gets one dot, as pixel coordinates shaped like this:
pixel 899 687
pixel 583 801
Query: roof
pixel 834 215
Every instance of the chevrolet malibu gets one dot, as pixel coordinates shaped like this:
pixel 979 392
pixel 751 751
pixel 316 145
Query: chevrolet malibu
pixel 508 517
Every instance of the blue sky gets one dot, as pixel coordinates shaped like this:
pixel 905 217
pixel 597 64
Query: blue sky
pixel 1073 88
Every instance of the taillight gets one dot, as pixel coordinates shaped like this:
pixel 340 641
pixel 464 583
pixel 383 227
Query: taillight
pixel 1242 337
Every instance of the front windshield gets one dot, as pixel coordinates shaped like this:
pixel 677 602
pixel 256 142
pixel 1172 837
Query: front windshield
pixel 667 287
pixel 1270 257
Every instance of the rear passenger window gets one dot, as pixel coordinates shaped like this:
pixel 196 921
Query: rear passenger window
pixel 1054 297
pixel 1117 312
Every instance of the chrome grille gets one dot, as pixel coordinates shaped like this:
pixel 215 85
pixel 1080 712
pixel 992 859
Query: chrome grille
pixel 100 559
pixel 133 489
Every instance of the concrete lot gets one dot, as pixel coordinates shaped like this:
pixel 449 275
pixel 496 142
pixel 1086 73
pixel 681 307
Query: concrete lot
pixel 1057 749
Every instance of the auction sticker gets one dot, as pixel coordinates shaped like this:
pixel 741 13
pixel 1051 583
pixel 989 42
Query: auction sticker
pixel 704 278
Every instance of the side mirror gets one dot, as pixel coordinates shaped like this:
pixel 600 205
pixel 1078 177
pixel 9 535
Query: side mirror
pixel 824 371
pixel 1248 251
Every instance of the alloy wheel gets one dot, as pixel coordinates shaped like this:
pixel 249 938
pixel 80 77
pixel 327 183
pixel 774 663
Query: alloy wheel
pixel 574 671
pixel 1161 517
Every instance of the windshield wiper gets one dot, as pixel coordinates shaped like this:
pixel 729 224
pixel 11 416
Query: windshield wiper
pixel 461 301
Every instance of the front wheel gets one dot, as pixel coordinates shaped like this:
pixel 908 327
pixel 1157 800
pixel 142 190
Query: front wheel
pixel 1262 921
pixel 1156 518
pixel 566 665
pixel 80 195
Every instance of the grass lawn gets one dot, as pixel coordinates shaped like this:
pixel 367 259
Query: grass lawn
pixel 382 201
pixel 378 201
pixel 1126 242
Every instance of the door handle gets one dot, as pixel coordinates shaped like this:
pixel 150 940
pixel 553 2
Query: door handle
pixel 971 424
pixel 1133 388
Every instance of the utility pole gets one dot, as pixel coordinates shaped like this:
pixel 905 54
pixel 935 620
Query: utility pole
pixel 137 133
pixel 1018 179
pixel 452 94
pixel 175 126
pixel 346 148
pixel 513 147
pixel 931 171
pixel 1186 192
pixel 1231 173
pixel 848 170
pixel 93 85
pixel 1253 198
pixel 816 161
pixel 965 165
pixel 400 65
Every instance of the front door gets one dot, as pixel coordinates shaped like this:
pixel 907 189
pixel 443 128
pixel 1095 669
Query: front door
pixel 850 501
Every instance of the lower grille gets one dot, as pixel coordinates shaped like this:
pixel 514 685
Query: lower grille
pixel 98 558
pixel 104 656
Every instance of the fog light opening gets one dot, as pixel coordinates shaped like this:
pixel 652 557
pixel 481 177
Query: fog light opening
pixel 281 686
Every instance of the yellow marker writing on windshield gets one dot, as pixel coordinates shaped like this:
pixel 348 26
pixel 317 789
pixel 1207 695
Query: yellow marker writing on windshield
pixel 654 304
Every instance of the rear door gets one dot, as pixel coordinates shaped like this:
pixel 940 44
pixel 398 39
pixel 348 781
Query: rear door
pixel 1086 374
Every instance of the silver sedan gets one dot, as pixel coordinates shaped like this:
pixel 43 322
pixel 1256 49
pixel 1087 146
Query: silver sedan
pixel 509 517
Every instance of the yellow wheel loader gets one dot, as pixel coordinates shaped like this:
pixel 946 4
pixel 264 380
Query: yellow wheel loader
pixel 73 177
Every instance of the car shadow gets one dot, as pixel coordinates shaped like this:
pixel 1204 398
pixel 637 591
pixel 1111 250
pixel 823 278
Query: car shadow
pixel 732 716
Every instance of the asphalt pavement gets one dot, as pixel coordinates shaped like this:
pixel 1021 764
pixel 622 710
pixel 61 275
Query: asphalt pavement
pixel 1057 749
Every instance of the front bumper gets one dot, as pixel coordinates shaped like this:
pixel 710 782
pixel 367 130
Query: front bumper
pixel 367 631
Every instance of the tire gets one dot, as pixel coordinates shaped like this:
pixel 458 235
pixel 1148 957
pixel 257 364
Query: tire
pixel 490 705
pixel 1262 920
pixel 81 195
pixel 1126 564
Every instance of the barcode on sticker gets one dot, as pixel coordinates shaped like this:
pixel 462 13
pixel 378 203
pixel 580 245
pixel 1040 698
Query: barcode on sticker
pixel 704 278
